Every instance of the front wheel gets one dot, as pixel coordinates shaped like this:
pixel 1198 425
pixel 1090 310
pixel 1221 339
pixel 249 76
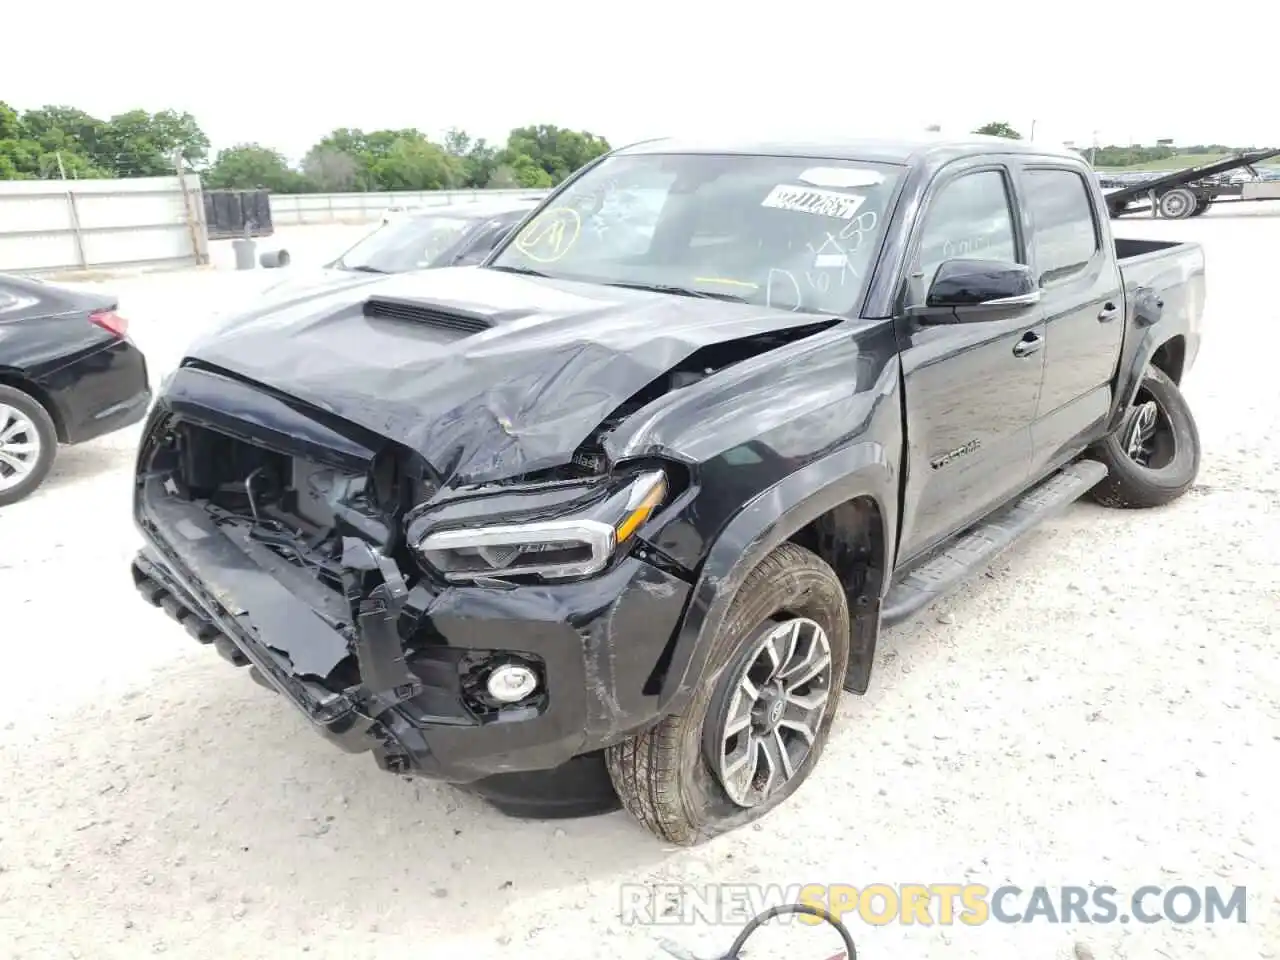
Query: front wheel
pixel 1155 455
pixel 755 730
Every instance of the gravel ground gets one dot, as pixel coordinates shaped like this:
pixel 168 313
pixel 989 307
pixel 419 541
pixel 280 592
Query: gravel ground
pixel 1095 709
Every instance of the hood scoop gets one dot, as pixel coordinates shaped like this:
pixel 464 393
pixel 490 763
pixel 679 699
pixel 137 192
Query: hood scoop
pixel 413 311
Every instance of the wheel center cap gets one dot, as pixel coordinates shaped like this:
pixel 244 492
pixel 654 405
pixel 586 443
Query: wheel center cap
pixel 1146 417
pixel 775 712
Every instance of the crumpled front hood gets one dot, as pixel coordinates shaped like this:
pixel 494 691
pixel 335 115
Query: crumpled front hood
pixel 521 396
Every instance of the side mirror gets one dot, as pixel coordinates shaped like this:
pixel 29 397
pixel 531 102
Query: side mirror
pixel 978 286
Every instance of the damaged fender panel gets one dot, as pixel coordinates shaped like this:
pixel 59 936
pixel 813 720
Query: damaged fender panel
pixel 865 467
pixel 799 398
pixel 755 425
pixel 550 361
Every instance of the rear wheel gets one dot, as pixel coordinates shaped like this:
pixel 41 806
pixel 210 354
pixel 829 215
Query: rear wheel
pixel 1202 205
pixel 1155 455
pixel 28 443
pixel 753 733
pixel 1176 204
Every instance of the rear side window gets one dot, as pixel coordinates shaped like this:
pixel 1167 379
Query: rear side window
pixel 969 218
pixel 1066 237
pixel 486 239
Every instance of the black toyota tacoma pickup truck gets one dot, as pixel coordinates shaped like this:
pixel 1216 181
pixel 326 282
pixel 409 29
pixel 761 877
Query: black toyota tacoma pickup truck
pixel 639 493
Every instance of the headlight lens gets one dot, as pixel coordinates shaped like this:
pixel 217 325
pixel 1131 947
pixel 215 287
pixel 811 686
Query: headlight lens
pixel 564 548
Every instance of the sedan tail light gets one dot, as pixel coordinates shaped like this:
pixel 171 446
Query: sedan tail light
pixel 111 322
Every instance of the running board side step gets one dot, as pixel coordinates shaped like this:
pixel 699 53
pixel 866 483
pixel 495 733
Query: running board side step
pixel 961 558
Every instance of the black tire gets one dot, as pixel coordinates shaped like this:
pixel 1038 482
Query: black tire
pixel 1172 470
pixel 48 437
pixel 1176 204
pixel 663 776
pixel 1202 206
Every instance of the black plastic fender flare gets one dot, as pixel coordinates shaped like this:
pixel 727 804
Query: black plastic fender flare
pixel 1153 328
pixel 860 469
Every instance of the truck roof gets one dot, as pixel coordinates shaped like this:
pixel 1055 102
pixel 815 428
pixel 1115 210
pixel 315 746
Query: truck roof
pixel 905 151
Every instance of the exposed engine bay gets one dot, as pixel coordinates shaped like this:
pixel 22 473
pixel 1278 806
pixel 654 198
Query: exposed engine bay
pixel 298 509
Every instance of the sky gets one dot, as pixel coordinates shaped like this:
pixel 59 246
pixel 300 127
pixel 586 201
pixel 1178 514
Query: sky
pixel 269 73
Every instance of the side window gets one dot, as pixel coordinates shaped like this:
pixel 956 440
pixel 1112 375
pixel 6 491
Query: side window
pixel 1066 236
pixel 485 241
pixel 969 218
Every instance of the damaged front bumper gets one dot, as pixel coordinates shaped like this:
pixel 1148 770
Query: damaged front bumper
pixel 397 669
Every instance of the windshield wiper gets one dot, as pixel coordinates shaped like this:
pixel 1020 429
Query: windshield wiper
pixel 363 268
pixel 524 270
pixel 675 290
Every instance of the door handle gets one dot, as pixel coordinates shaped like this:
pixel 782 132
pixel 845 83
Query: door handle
pixel 1029 344
pixel 1109 312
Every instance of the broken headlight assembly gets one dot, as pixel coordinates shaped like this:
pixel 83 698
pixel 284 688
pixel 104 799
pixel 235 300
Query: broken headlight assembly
pixel 563 548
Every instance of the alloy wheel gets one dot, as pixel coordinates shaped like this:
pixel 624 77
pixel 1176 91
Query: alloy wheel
pixel 19 446
pixel 770 718
pixel 1149 438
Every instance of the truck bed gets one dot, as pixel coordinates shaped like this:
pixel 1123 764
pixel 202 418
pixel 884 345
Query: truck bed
pixel 1164 279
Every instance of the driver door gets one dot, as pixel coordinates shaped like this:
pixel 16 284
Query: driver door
pixel 970 387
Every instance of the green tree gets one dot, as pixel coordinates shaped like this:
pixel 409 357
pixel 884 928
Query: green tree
pixel 998 130
pixel 332 170
pixel 129 146
pixel 555 151
pixel 248 166
pixel 15 149
pixel 1130 156
pixel 352 159
pixel 526 172
pixel 64 128
pixel 11 125
pixel 415 163
pixel 35 145
pixel 180 132
pixel 479 159
pixel 56 140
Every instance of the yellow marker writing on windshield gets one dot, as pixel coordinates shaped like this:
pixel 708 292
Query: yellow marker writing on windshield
pixel 551 236
pixel 727 282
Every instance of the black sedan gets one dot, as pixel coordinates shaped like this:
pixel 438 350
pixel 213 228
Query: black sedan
pixel 448 235
pixel 68 373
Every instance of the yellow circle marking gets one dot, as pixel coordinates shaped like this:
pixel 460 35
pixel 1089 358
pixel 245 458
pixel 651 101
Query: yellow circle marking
pixel 551 236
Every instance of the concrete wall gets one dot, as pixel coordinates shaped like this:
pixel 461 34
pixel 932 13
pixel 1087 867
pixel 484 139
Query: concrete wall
pixel 56 225
pixel 296 209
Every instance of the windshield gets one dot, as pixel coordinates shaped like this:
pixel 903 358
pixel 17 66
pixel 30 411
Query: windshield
pixel 779 231
pixel 412 243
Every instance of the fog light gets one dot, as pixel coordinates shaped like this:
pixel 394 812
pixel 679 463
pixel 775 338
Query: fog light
pixel 511 682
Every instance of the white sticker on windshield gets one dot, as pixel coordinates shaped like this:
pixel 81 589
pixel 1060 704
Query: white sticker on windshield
pixel 827 260
pixel 820 203
pixel 841 177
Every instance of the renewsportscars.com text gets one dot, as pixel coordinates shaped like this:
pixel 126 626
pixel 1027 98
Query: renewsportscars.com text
pixel 927 904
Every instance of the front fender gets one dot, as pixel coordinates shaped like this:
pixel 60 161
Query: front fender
pixel 863 468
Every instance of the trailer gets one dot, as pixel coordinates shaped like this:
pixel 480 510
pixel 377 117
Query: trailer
pixel 1190 192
